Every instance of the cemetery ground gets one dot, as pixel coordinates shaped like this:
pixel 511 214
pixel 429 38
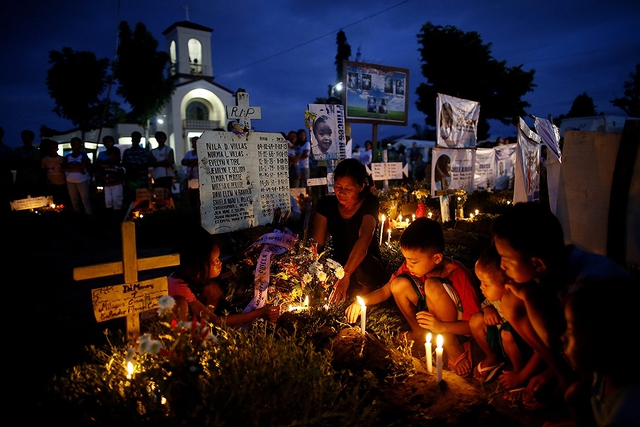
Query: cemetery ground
pixel 51 323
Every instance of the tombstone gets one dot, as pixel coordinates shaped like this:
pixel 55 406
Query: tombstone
pixel 133 297
pixel 244 179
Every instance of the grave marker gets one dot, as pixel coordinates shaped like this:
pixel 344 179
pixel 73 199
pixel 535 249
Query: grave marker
pixel 132 297
pixel 242 112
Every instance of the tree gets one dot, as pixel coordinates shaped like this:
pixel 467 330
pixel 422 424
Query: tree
pixel 630 103
pixel 140 71
pixel 582 106
pixel 459 64
pixel 344 52
pixel 75 81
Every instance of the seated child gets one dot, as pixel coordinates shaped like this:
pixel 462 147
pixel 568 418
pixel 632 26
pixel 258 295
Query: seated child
pixel 434 293
pixel 542 271
pixel 494 334
pixel 193 289
pixel 597 320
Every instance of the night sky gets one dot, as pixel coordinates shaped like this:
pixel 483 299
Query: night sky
pixel 282 52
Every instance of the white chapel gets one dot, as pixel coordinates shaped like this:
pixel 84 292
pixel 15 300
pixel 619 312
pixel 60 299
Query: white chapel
pixel 198 103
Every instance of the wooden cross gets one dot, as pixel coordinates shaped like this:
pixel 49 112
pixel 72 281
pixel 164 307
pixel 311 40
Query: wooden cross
pixel 242 112
pixel 132 297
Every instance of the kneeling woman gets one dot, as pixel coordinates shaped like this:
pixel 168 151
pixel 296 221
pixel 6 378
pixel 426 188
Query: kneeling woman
pixel 350 217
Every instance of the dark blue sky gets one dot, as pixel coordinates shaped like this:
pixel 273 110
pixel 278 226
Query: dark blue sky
pixel 282 52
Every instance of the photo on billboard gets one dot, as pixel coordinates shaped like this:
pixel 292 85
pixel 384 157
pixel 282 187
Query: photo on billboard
pixel 375 93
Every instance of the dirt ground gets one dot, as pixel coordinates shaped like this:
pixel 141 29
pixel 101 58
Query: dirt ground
pixel 51 322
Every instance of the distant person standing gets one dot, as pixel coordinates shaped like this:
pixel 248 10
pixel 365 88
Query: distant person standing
pixel 76 166
pixel 367 155
pixel 162 160
pixel 135 160
pixel 6 176
pixel 56 182
pixel 190 163
pixel 26 162
pixel 114 179
pixel 303 162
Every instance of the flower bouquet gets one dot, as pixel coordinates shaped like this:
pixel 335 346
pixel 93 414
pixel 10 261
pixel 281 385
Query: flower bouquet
pixel 303 278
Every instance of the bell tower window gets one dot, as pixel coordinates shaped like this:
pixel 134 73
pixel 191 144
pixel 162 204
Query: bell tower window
pixel 195 56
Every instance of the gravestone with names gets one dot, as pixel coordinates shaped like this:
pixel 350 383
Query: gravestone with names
pixel 244 180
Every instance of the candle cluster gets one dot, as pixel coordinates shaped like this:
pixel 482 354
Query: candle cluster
pixel 429 355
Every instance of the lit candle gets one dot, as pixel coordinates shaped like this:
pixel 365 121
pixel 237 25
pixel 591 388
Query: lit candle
pixel 129 370
pixel 306 301
pixel 413 217
pixel 363 315
pixel 439 350
pixel 427 347
pixel 477 212
pixel 400 218
pixel 407 221
pixel 382 228
pixel 429 214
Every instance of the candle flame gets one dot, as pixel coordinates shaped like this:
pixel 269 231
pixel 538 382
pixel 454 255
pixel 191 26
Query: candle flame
pixel 383 217
pixel 428 338
pixel 306 301
pixel 129 370
pixel 439 341
pixel 360 301
pixel 477 211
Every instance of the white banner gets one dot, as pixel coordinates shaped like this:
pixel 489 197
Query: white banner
pixel 274 243
pixel 484 173
pixel 456 122
pixel 527 185
pixel 452 169
pixel 505 166
pixel 328 136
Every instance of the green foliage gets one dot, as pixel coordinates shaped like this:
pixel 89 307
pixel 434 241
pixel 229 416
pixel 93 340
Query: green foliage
pixel 630 103
pixel 239 378
pixel 459 64
pixel 582 106
pixel 140 71
pixel 75 82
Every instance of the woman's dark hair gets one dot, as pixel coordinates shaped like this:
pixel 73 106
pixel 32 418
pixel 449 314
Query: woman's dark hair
pixel 194 247
pixel 356 170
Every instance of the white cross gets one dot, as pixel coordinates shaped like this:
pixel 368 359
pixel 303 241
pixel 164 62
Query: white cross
pixel 242 112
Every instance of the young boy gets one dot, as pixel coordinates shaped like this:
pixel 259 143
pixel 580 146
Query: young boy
pixel 494 334
pixel 434 293
pixel 543 270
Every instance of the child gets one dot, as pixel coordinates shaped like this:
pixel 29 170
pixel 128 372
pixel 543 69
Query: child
pixel 609 393
pixel 494 334
pixel 323 133
pixel 542 270
pixel 113 176
pixel 193 289
pixel 433 292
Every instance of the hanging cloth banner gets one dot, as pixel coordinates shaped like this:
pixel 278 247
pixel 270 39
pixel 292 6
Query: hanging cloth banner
pixel 484 172
pixel 275 243
pixel 505 166
pixel 550 136
pixel 452 169
pixel 527 185
pixel 456 122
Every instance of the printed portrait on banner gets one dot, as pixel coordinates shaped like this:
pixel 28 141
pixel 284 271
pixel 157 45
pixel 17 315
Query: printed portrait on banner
pixel 505 159
pixel 528 158
pixel 452 169
pixel 456 121
pixel 328 136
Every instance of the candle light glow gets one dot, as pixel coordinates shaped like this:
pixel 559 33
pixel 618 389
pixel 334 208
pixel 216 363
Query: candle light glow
pixel 363 315
pixel 428 357
pixel 439 350
pixel 382 227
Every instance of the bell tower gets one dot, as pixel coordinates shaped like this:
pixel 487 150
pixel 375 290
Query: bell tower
pixel 189 46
